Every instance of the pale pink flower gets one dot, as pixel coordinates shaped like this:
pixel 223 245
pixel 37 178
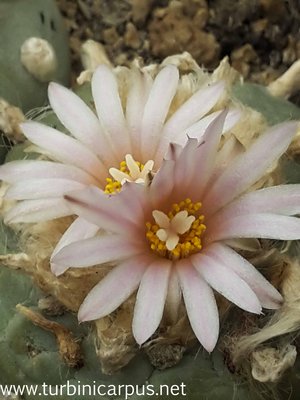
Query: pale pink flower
pixel 138 131
pixel 170 238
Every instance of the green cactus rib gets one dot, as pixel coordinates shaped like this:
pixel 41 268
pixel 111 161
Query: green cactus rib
pixel 274 109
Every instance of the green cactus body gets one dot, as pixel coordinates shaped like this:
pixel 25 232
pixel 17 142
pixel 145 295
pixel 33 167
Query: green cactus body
pixel 20 20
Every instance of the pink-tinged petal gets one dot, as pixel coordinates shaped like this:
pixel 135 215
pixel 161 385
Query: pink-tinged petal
pixel 263 226
pixel 185 165
pixel 230 149
pixel 80 120
pixel 28 211
pixel 226 282
pixel 157 107
pixel 197 130
pixel 283 199
pixel 95 250
pixel 80 229
pixel 150 300
pixel 204 158
pixel 113 289
pixel 200 305
pixel 268 296
pixel 248 168
pixel 41 188
pixel 133 200
pixel 15 171
pixel 109 109
pixel 99 209
pixel 173 151
pixel 139 89
pixel 162 183
pixel 173 299
pixel 191 111
pixel 63 148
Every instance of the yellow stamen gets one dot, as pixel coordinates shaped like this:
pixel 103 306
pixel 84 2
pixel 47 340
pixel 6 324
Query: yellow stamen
pixel 189 242
pixel 112 186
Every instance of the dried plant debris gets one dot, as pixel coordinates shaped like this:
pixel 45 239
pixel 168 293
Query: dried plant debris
pixel 69 347
pixel 181 27
pixel 267 27
pixel 261 37
pixel 164 356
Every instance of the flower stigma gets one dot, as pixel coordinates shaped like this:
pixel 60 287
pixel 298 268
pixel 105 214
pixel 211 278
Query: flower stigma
pixel 129 171
pixel 177 234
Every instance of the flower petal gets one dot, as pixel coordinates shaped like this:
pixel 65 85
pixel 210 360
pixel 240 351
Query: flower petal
pixel 80 120
pixel 197 130
pixel 41 188
pixel 80 229
pixel 285 200
pixel 15 171
pixel 191 111
pixel 185 162
pixel 263 226
pixel 225 156
pixel 95 250
pixel 157 107
pixel 268 296
pixel 247 168
pixel 200 305
pixel 139 88
pixel 113 289
pixel 173 299
pixel 28 211
pixel 173 151
pixel 109 109
pixel 226 282
pixel 162 183
pixel 151 299
pixel 133 201
pixel 63 148
pixel 205 156
pixel 109 213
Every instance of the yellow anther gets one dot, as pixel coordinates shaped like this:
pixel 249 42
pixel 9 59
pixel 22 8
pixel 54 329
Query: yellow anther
pixel 112 186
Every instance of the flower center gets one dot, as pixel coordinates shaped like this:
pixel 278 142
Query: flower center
pixel 129 171
pixel 176 234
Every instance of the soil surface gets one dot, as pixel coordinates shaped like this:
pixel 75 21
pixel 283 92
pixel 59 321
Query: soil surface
pixel 261 37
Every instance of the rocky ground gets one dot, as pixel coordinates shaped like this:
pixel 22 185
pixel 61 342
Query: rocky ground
pixel 261 37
